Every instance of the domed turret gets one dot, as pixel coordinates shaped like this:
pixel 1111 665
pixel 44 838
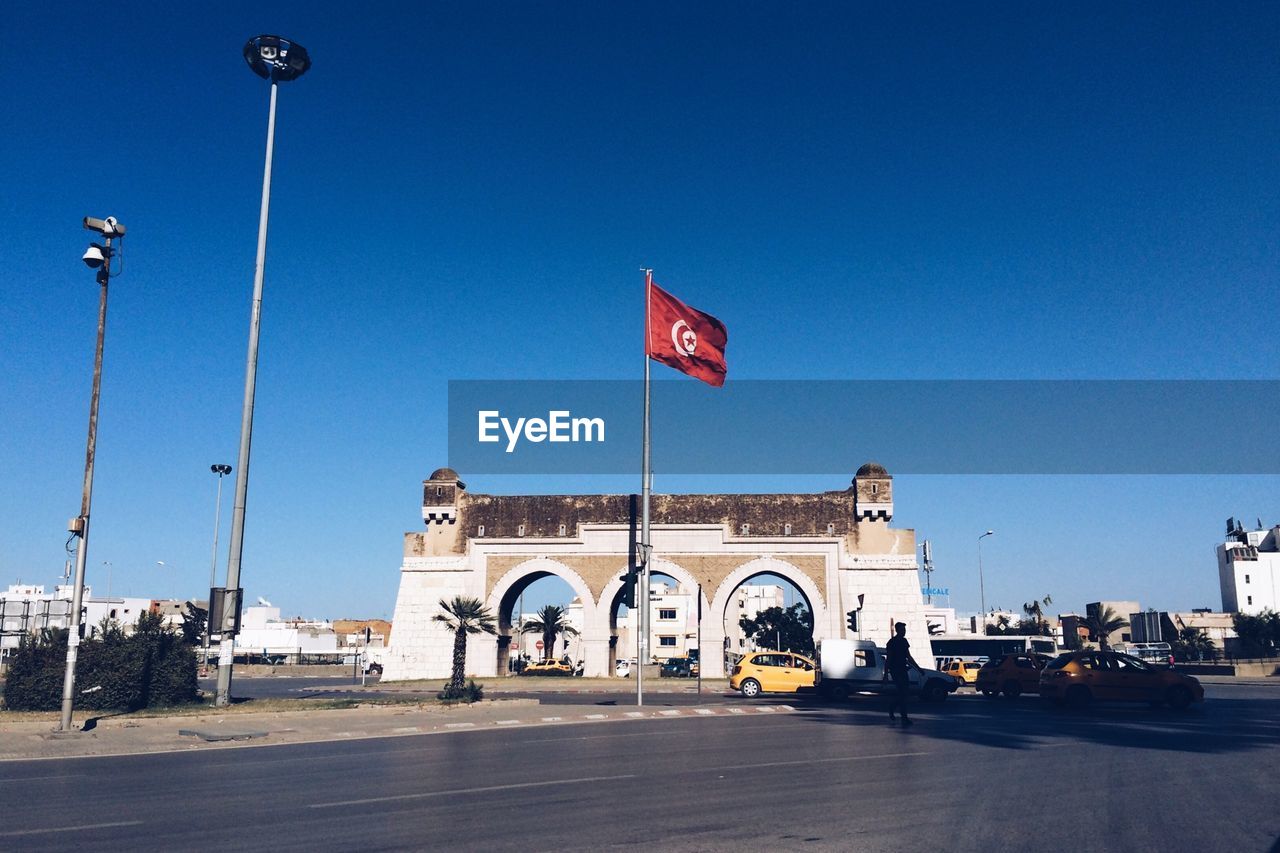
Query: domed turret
pixel 440 496
pixel 873 493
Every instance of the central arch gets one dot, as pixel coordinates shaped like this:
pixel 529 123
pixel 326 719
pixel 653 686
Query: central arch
pixel 611 599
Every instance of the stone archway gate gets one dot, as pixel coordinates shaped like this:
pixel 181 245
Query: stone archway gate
pixel 833 546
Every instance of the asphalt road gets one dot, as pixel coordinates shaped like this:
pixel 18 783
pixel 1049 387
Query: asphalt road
pixel 972 774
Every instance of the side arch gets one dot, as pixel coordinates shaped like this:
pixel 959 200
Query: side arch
pixel 742 574
pixel 501 597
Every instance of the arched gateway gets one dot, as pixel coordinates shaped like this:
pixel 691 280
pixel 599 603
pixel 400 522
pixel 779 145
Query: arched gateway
pixel 833 546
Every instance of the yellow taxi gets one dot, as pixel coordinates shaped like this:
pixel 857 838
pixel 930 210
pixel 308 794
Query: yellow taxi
pixel 1011 675
pixel 547 667
pixel 772 672
pixel 964 671
pixel 1078 678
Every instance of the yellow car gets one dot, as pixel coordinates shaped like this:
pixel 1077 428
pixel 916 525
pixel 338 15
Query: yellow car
pixel 772 672
pixel 1078 678
pixel 1011 675
pixel 547 667
pixel 964 671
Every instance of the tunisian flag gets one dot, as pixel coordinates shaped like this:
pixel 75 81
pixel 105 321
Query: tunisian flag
pixel 685 338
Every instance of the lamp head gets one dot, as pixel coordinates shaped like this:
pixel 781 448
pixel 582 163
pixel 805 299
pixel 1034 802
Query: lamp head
pixel 275 58
pixel 94 256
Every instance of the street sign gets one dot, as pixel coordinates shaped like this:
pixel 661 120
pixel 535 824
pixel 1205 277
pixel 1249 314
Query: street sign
pixel 538 645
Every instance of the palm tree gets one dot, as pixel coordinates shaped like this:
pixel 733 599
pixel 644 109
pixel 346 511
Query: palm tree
pixel 1035 623
pixel 1101 622
pixel 463 616
pixel 550 623
pixel 1193 644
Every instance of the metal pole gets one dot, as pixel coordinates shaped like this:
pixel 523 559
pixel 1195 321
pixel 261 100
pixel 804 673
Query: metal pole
pixel 86 498
pixel 982 587
pixel 699 639
pixel 227 649
pixel 646 548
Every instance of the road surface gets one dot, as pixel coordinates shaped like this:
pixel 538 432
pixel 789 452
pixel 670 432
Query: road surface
pixel 973 774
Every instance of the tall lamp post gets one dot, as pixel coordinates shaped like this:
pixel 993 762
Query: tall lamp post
pixel 278 60
pixel 96 257
pixel 982 588
pixel 221 471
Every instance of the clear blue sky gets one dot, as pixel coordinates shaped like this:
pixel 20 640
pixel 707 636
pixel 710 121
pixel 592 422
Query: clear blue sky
pixel 468 190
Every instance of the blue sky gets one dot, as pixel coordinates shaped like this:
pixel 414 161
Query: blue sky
pixel 467 191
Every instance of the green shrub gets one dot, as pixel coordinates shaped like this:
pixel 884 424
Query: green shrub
pixel 34 682
pixel 469 692
pixel 152 666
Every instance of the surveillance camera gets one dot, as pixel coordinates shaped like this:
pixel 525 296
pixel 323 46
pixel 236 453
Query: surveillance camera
pixel 269 52
pixel 109 227
pixel 94 257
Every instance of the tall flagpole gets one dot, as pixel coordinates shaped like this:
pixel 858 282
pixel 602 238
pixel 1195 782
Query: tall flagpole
pixel 646 548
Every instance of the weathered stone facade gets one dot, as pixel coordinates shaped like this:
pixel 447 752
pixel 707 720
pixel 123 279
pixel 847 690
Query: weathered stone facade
pixel 833 546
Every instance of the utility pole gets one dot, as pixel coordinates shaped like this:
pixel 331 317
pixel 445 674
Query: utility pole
pixel 96 257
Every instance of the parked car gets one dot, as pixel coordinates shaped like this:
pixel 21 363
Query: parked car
pixel 964 671
pixel 772 672
pixel 1078 678
pixel 547 667
pixel 679 668
pixel 622 669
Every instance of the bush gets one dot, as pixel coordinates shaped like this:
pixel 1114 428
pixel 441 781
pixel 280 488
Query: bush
pixel 34 682
pixel 469 692
pixel 153 666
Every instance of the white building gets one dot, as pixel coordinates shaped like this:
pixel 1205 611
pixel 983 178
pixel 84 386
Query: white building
pixel 1249 569
pixel 751 601
pixel 262 631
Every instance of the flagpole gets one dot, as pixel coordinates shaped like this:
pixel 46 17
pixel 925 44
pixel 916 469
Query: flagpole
pixel 646 549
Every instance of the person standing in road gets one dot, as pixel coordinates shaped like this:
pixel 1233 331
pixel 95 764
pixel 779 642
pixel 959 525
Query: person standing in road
pixel 897 665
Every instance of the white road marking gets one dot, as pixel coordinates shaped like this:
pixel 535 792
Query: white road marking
pixel 635 713
pixel 671 713
pixel 42 778
pixel 703 711
pixel 817 761
pixel 737 710
pixel 552 719
pixel 13 833
pixel 459 725
pixel 406 730
pixel 508 722
pixel 597 716
pixel 432 794
pixel 765 709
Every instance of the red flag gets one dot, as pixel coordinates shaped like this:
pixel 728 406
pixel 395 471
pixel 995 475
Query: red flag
pixel 685 338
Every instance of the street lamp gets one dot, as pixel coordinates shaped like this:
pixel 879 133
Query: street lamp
pixel 96 257
pixel 278 60
pixel 162 564
pixel 982 588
